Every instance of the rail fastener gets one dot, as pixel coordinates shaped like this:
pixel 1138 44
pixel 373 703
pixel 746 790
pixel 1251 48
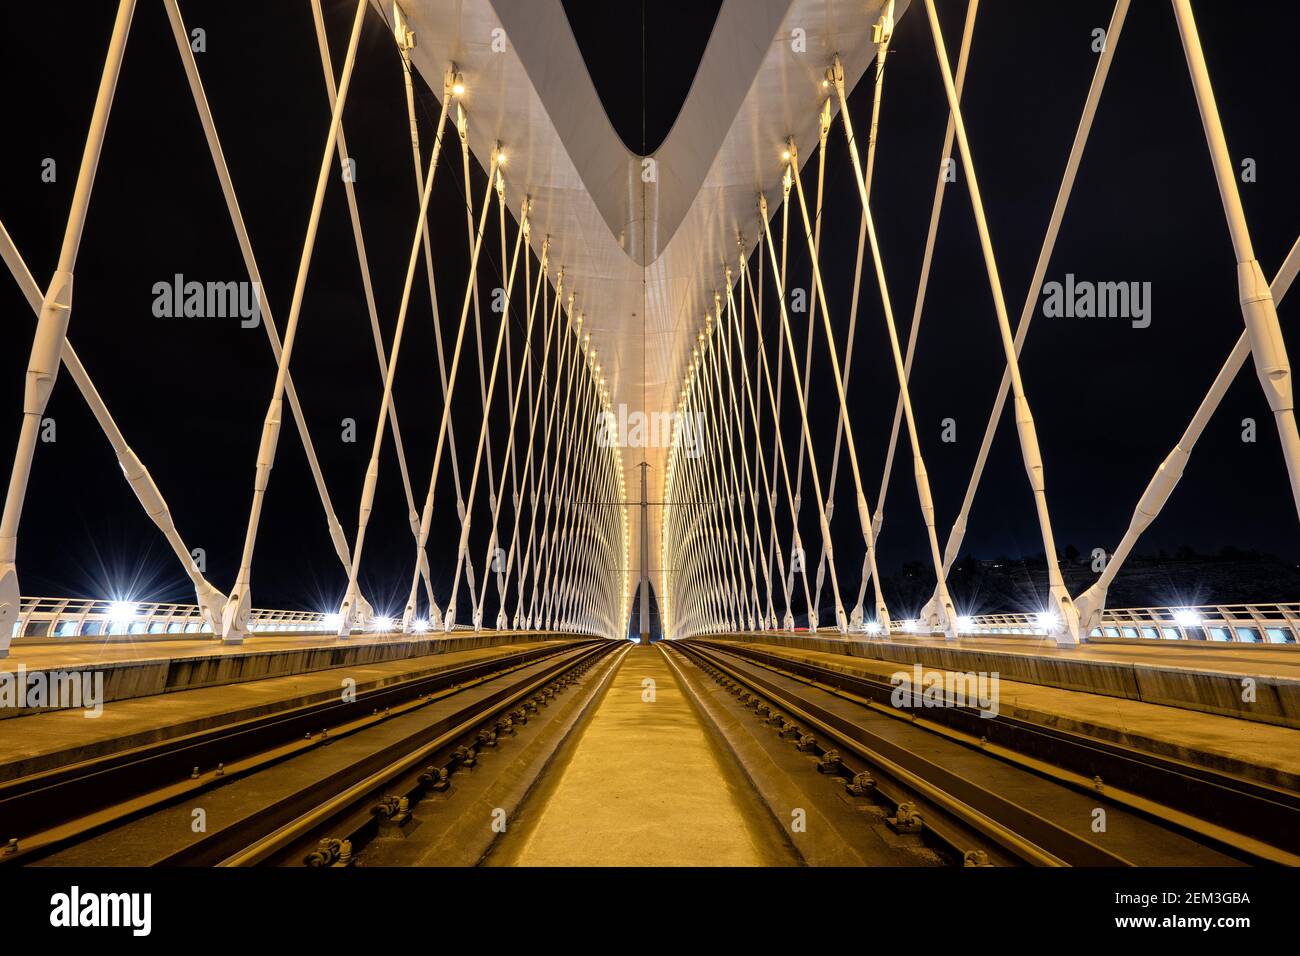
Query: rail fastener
pixel 862 785
pixel 830 762
pixel 906 819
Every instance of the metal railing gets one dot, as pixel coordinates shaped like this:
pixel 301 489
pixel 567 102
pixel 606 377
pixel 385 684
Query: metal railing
pixel 49 617
pixel 1222 623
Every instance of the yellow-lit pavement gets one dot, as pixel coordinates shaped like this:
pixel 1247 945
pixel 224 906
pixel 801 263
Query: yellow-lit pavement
pixel 644 786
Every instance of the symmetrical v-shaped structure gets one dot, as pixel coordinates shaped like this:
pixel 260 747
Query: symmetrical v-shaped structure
pixel 652 331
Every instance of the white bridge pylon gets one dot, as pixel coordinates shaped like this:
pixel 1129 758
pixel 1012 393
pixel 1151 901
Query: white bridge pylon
pixel 642 283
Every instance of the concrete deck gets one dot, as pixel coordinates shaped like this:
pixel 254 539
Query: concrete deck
pixel 42 741
pixel 1252 749
pixel 146 667
pixel 1276 660
pixel 1252 682
pixel 645 786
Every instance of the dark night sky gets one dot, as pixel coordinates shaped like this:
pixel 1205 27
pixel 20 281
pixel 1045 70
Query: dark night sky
pixel 1109 400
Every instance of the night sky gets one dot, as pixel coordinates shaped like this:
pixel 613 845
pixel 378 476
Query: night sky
pixel 1109 400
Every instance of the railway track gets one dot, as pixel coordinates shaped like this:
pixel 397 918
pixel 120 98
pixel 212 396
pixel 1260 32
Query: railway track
pixel 1003 791
pixel 390 778
pixel 228 795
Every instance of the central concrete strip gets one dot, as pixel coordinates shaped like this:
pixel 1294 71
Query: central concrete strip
pixel 1257 751
pixel 43 741
pixel 644 785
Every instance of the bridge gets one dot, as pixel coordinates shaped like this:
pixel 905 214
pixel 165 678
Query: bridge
pixel 654 404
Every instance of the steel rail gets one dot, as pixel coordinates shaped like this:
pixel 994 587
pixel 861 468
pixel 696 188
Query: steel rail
pixel 304 812
pixel 55 808
pixel 1166 788
pixel 1191 801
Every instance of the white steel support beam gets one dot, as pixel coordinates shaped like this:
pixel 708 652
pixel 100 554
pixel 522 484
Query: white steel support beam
pixel 1258 310
pixel 235 614
pixel 426 514
pixel 52 328
pixel 1060 606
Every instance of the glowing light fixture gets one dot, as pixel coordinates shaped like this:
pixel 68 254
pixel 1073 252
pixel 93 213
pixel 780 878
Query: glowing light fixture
pixel 1185 617
pixel 964 622
pixel 121 612
pixel 1046 621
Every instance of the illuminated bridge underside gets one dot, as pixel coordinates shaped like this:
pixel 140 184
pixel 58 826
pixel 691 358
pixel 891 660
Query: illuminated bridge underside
pixel 641 284
pixel 645 257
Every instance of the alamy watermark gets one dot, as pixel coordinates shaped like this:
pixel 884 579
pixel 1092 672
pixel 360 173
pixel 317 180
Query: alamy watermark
pixel 53 690
pixel 208 300
pixel 133 911
pixel 1083 299
pixel 919 688
pixel 638 429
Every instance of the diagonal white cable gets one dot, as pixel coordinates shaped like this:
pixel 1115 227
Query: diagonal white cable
pixel 426 514
pixel 757 617
pixel 501 621
pixel 208 597
pixel 864 510
pixel 958 531
pixel 52 328
pixel 363 262
pixel 482 373
pixel 1061 606
pixel 562 538
pixel 528 496
pixel 1258 310
pixel 590 498
pixel 182 38
pixel 462 548
pixel 524 617
pixel 1093 601
pixel 449 85
pixel 769 618
pixel 824 127
pixel 238 607
pixel 554 501
pixel 348 609
pixel 773 395
pixel 756 408
pixel 841 620
pixel 945 620
pixel 721 540
pixel 945 163
pixel 578 496
pixel 780 372
pixel 563 374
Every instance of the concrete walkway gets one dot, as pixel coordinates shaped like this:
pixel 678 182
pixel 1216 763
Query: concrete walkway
pixel 644 787
pixel 1274 660
pixel 83 652
pixel 41 741
pixel 1259 751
